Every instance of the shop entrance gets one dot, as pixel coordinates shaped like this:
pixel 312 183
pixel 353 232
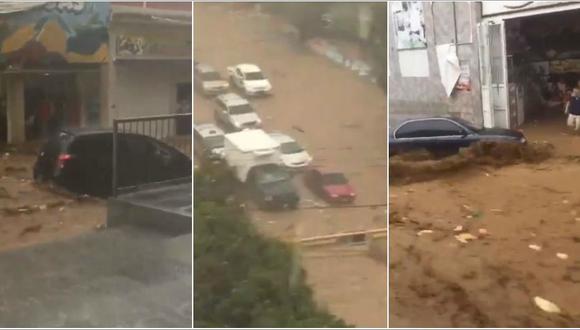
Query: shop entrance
pixel 530 64
pixel 51 102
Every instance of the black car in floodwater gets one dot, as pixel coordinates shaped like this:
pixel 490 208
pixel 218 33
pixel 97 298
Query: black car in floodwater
pixel 445 135
pixel 270 186
pixel 81 161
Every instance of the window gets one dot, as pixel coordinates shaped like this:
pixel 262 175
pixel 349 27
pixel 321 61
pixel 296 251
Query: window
pixel 429 128
pixel 241 109
pixel 257 75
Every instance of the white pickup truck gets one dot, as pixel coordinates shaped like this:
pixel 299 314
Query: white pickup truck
pixel 254 158
pixel 249 79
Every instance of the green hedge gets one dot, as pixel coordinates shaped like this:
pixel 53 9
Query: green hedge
pixel 243 279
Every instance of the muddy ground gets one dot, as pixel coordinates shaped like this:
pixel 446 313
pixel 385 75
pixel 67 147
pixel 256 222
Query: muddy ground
pixel 490 281
pixel 338 117
pixel 32 214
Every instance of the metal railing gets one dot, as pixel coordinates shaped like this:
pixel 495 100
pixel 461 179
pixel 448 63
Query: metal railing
pixel 174 130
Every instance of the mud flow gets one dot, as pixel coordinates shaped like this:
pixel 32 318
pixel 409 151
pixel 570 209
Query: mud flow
pixel 422 166
pixel 478 239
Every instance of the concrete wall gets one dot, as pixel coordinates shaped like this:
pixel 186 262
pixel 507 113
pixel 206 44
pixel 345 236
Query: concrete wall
pixel 412 97
pixel 143 87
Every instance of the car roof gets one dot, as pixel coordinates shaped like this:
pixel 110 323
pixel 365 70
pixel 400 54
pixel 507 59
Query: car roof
pixel 246 67
pixel 281 138
pixel 253 139
pixel 202 67
pixel 206 130
pixel 230 99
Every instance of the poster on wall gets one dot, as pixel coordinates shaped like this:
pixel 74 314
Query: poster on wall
pixel 409 24
pixel 464 81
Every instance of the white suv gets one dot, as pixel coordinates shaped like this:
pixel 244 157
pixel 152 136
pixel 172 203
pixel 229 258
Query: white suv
pixel 250 79
pixel 235 113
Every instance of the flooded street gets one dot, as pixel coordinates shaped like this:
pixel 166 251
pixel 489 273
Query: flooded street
pixel 338 118
pixel 525 225
pixel 30 214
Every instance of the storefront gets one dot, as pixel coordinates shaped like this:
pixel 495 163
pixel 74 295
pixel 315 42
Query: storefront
pixel 51 56
pixel 150 68
pixel 529 60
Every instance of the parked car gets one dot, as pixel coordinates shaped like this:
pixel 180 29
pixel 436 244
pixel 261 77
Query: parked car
pixel 235 113
pixel 209 142
pixel 208 81
pixel 293 155
pixel 443 136
pixel 270 186
pixel 81 161
pixel 333 187
pixel 249 79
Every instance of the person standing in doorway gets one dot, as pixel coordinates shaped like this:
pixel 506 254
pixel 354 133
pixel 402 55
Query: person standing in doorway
pixel 573 108
pixel 44 115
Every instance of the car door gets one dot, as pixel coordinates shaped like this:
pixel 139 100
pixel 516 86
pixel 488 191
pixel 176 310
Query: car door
pixel 168 163
pixel 447 134
pixel 137 165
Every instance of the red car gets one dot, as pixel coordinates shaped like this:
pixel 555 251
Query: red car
pixel 331 186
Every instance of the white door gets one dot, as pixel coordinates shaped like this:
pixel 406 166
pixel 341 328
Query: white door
pixel 493 67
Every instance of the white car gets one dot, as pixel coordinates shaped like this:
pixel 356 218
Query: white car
pixel 208 80
pixel 250 79
pixel 293 155
pixel 235 113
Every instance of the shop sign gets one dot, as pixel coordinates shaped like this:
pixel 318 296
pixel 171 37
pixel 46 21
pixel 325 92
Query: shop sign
pixel 143 47
pixel 503 7
pixel 56 32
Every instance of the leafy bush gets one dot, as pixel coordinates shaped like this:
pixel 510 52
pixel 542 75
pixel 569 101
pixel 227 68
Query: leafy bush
pixel 243 279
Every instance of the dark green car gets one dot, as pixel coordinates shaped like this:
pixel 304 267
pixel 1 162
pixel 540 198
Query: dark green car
pixel 270 186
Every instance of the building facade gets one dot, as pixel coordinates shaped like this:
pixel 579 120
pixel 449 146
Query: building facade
pixel 415 76
pixel 75 64
pixel 494 63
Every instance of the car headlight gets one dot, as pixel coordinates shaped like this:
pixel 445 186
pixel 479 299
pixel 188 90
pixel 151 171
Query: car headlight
pixel 268 198
pixel 352 194
pixel 237 125
pixel 523 140
pixel 334 195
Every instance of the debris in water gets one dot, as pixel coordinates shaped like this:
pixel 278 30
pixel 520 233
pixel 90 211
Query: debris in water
pixel 496 210
pixel 299 129
pixel 562 256
pixel 425 231
pixel 482 231
pixel 565 201
pixel 30 229
pixel 535 247
pixel 61 209
pixel 465 237
pixel 458 228
pixel 42 207
pixel 546 305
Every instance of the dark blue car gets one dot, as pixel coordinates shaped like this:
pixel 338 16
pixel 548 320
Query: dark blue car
pixel 445 135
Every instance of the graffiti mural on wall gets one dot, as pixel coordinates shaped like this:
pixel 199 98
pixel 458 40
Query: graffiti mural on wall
pixel 58 32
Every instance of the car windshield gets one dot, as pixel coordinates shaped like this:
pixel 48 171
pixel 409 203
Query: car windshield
pixel 290 148
pixel 210 76
pixel 274 176
pixel 334 178
pixel 256 75
pixel 241 109
pixel 213 142
pixel 467 124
